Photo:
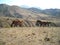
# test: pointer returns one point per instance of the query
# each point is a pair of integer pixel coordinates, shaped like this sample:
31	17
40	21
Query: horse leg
48	25
15	25
40	25
20	25
43	25
11	25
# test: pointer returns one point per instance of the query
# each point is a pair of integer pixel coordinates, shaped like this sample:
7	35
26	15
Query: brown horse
40	23
16	23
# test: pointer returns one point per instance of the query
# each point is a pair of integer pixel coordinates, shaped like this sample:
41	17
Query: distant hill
28	13
9	11
53	12
36	10
19	12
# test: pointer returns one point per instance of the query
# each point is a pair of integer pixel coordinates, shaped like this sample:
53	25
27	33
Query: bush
4	23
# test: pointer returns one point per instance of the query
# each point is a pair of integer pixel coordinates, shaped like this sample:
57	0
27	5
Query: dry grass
30	36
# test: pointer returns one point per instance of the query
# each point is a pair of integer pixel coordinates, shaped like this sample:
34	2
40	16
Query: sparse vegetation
5	22
2	43
30	36
29	33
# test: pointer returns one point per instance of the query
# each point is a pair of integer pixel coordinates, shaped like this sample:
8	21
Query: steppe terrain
29	33
30	36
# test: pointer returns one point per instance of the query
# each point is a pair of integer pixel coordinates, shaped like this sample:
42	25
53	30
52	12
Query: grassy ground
5	22
30	36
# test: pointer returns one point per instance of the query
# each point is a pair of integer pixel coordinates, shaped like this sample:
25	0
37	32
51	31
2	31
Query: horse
41	23
16	23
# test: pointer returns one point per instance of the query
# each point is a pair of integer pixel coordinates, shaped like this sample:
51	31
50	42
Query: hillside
9	13
18	12
53	12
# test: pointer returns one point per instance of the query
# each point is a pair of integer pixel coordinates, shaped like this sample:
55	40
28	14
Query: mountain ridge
24	13
46	11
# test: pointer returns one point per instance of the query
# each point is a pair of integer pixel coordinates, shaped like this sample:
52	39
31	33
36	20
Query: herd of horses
19	23
42	23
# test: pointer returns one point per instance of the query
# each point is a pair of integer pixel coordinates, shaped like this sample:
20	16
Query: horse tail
12	24
54	24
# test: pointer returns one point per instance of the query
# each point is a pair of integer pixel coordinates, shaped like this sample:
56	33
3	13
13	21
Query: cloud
35	3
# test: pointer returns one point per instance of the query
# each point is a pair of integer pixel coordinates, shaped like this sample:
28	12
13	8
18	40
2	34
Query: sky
43	4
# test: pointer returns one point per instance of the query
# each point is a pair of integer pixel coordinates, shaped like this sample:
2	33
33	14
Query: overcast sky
44	4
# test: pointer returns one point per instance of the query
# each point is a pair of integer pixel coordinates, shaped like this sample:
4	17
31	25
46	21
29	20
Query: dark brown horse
41	23
16	23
